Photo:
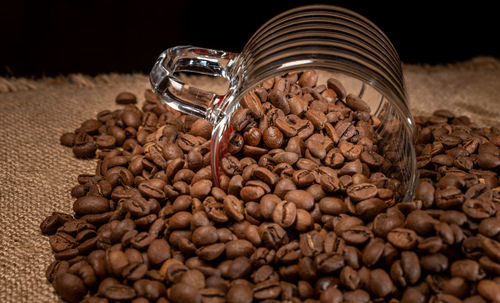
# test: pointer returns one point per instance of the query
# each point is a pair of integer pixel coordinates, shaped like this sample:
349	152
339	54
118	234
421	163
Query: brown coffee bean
204	235
234	208
104	141
411	266
450	197
266	290
239	294
126	98
237	248
301	198
356	103
201	128
357	234
251	193
200	189
361	191
252	102
152	188
317	118
158	251
67	139
210	252
90	205
285	213
265	175
308	78
70	287
478	209
214	210
467	269
231	166
184	293
273	235
337	87
273	137
84	146
491	248
421	222
278	99
489	290
402	238
380	283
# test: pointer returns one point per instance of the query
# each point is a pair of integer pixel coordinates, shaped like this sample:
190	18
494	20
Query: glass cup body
336	42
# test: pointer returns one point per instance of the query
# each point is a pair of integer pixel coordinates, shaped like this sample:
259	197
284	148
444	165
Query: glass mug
332	40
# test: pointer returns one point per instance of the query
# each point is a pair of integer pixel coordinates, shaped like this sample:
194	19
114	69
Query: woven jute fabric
37	173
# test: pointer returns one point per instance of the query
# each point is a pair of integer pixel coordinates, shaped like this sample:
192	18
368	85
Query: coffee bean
266	290
84	146
478	209
337	87
201	189
285	213
467	269
402	238
126	98
158	251
184	293
308	78
301	198
380	283
67	139
356	103
70	287
361	192
239	294
237	248
272	137
489	290
309	205
201	128
252	102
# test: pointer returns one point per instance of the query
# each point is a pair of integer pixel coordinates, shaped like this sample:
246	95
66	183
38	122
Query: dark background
58	37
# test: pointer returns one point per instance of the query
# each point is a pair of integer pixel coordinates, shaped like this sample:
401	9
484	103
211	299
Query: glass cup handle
184	97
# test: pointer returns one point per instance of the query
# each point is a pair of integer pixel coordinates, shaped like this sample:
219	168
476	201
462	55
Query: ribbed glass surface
347	46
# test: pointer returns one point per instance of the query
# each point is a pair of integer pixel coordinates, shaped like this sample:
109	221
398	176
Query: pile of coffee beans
306	211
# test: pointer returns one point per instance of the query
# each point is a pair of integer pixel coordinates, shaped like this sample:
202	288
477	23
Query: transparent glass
333	40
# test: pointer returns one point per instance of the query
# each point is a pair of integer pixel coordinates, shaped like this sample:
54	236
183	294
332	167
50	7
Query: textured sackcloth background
37	173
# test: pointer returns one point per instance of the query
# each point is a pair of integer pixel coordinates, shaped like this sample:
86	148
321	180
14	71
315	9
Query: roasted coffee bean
70	287
489	290
184	293
380	283
201	128
478	209
84	146
337	87
356	104
309	206
308	78
67	139
237	248
467	269
361	192
126	98
285	213
266	290
272	137
402	238
301	198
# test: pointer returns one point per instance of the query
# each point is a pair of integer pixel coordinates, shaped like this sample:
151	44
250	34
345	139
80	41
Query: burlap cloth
37	173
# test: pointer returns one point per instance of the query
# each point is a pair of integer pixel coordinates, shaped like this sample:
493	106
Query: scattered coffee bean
309	208
126	98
